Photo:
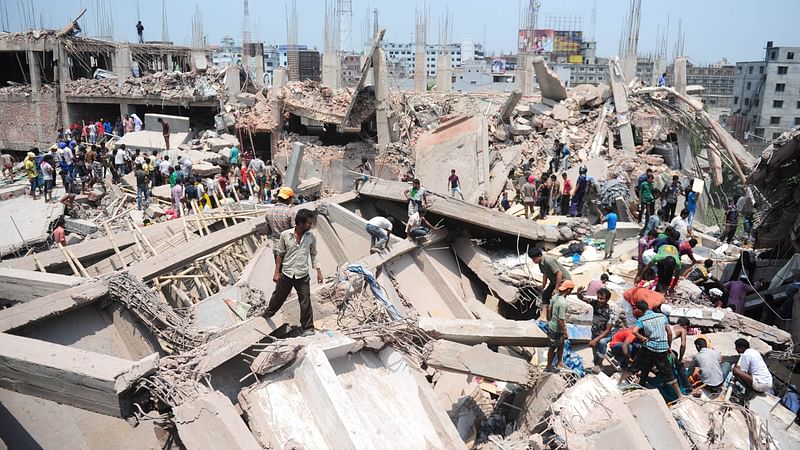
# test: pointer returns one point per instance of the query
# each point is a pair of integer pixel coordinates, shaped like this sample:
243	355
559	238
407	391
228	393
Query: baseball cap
285	193
566	284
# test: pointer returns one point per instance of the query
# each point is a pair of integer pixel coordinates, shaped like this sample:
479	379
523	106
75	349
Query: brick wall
19	127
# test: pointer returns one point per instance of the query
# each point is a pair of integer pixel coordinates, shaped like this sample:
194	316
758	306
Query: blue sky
714	29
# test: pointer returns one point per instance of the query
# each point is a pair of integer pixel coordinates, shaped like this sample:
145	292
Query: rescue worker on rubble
581	185
557	327
553	274
653	329
417	197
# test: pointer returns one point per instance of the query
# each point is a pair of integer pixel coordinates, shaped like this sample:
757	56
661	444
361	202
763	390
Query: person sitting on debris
603	319
178	194
418	226
737	291
566	189
59	235
279	217
296	246
751	370
553	274
581	186
557	327
454	184
625	347
417	197
653	329
365	173
528	193
379	229
713	371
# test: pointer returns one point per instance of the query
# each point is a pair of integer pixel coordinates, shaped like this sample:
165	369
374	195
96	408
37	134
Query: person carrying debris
417	197
454	184
139	31
295	247
553	274
418	226
751	370
528	193
379	229
653	329
165	131
566	190
279	218
557	327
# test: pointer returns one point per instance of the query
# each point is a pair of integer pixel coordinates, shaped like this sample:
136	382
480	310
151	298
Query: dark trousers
565	204
730	232
671	210
544	206
282	290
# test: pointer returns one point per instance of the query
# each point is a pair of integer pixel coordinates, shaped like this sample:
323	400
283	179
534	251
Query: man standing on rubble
581	185
454	184
165	131
139	31
279	217
553	273
566	189
417	197
295	247
673	190
142	182
731	220
528	193
653	329
611	233
557	327
647	205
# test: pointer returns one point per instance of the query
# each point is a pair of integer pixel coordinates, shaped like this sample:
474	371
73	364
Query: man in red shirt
623	347
566	188
101	131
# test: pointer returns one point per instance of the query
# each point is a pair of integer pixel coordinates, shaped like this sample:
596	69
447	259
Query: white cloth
381	222
751	362
137	122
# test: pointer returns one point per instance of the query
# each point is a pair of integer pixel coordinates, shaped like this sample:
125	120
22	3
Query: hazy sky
714	29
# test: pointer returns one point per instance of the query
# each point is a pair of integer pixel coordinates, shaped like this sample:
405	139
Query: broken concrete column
510	104
524	76
621	105
551	87
211	421
331	70
492	332
381	74
477	360
684	140
292	178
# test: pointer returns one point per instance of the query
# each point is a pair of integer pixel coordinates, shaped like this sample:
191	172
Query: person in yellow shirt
31	172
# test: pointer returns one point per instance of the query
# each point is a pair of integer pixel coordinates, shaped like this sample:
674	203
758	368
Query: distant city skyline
714	29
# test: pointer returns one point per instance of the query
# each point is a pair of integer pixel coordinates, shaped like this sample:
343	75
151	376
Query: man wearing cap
553	274
557	326
295	247
279	217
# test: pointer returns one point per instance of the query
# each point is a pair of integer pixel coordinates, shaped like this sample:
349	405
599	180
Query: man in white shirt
681	224
379	229
164	167
186	167
751	370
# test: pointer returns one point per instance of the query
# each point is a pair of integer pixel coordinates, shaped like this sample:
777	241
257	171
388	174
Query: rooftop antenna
593	21
164	26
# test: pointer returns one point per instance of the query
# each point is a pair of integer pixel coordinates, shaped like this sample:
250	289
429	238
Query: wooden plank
25	285
71	376
492	332
477	360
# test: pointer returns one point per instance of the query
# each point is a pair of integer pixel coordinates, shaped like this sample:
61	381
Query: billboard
566	43
537	42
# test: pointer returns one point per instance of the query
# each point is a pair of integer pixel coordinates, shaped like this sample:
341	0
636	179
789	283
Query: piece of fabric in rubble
377	290
573	248
572	361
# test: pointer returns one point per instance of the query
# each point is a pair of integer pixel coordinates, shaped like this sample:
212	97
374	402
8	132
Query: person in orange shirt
653	299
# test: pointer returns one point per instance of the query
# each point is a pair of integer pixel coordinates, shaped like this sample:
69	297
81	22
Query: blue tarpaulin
377	290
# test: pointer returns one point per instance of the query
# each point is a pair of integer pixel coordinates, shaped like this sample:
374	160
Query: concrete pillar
420	68
684	139
232	85
279	77
381	98
509	105
259	75
524	75
331	70
170	63
443	72
292	178
61	76
34	73
123	63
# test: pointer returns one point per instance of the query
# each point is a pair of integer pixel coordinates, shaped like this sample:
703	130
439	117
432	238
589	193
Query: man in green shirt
553	273
646	196
557	327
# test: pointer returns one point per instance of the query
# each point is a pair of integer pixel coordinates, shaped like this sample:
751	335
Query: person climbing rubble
379	229
653	329
553	274
365	173
418	227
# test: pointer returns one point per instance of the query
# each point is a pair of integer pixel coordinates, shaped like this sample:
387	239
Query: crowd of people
645	346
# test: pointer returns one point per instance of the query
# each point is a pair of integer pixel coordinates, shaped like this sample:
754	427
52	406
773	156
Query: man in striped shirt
279	218
654	330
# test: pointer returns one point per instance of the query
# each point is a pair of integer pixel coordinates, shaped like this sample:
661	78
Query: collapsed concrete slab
68	375
491	332
24	285
211	421
551	87
26	223
370	399
477	360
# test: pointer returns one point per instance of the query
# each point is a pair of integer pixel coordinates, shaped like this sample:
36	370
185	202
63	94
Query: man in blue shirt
611	232
662	80
581	184
654	330
691	205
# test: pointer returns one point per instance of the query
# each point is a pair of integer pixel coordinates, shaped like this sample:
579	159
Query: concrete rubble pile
150	328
